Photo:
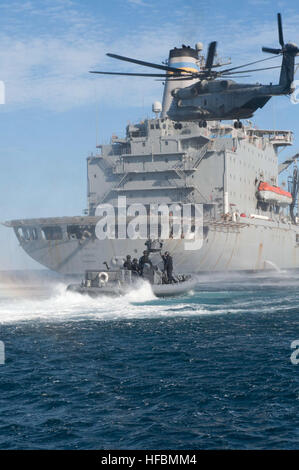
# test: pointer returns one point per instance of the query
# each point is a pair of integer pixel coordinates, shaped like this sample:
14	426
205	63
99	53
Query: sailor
135	267
144	260
128	263
168	266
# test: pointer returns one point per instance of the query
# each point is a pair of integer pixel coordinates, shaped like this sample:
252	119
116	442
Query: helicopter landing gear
202	123
238	125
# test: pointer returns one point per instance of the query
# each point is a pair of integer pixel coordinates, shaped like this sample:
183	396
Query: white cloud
138	3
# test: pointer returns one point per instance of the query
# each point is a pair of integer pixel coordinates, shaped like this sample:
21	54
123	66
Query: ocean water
207	370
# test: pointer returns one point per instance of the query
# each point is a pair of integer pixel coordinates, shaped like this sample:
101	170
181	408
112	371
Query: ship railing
183	162
275	137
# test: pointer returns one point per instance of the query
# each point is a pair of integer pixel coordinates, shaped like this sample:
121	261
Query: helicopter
201	93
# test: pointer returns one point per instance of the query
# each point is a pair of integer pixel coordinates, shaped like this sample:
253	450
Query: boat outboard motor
295	188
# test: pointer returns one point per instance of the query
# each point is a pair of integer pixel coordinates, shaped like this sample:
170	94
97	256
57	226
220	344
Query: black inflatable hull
159	290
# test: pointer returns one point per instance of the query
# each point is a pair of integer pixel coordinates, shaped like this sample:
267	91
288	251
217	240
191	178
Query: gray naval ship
249	223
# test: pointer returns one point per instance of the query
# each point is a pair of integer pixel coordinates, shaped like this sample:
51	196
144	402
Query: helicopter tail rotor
289	51
280	38
288	48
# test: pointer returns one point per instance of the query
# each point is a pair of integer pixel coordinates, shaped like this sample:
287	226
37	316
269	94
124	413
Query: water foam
61	305
49	301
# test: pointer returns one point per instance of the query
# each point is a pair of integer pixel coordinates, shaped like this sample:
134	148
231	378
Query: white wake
58	304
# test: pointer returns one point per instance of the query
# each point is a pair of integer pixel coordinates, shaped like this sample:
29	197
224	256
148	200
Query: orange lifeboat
274	194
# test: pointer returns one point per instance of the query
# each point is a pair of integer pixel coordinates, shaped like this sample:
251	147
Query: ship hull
250	244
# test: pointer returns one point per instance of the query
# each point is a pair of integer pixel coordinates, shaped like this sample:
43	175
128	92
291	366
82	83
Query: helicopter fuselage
221	99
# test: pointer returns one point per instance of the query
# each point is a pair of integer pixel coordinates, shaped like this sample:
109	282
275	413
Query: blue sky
48	124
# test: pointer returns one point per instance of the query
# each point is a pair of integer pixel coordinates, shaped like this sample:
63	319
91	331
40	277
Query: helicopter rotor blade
271	51
237	76
171	79
204	78
211	55
280	32
252	70
146	64
246	65
134	74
